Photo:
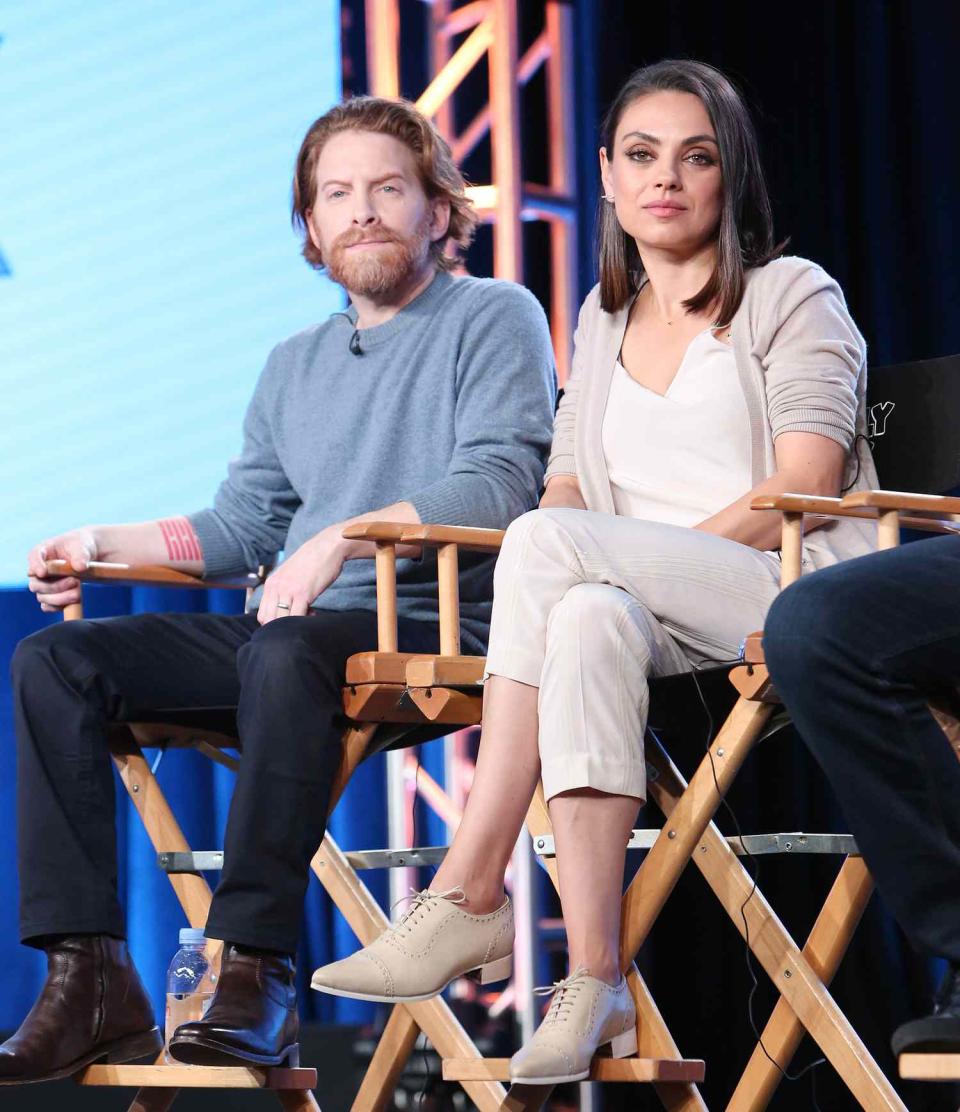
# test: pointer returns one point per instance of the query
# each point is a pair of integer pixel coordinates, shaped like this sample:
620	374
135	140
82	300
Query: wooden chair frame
158	1084
386	687
445	688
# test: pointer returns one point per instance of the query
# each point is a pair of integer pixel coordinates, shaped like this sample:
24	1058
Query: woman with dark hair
707	371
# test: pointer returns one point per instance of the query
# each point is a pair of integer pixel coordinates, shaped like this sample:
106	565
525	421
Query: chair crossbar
191	861
749	845
199	1077
930	1067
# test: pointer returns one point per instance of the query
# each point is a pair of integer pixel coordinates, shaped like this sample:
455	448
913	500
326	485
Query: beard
377	272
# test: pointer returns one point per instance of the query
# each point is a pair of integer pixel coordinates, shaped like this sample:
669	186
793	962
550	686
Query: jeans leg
70	682
291	724
855	651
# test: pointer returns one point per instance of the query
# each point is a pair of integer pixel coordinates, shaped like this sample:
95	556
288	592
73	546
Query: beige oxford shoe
432	943
585	1014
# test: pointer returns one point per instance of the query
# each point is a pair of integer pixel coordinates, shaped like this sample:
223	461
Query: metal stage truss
459	39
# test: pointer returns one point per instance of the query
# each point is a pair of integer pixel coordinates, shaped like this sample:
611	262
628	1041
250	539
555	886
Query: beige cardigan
802	367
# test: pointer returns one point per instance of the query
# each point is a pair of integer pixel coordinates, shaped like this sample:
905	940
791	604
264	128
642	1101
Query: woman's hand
308	573
563	490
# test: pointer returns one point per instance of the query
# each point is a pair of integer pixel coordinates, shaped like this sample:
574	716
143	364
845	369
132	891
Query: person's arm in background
246	526
504	406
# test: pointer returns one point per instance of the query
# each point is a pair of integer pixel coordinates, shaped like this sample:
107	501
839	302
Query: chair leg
153	1100
386	1065
690	816
367	920
356	743
191	890
162	829
824	949
653	1036
771	944
297	1100
526	1098
655	1041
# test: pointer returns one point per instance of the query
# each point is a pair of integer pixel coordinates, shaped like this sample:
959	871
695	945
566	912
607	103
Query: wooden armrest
449	539
842	507
374	531
947	508
798	504
155	575
470	540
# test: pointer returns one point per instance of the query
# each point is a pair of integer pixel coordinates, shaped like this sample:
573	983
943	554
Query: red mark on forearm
180	539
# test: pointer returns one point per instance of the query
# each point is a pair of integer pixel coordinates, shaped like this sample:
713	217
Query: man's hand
308	573
563	490
53	592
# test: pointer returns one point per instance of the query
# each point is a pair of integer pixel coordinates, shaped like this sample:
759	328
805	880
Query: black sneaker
938	1032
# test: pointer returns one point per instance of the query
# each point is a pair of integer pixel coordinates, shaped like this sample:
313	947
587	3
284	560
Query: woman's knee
589	612
535	539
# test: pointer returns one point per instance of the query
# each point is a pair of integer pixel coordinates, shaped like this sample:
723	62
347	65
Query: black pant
281	685
854	651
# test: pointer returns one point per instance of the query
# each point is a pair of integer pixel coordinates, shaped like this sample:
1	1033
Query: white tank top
682	456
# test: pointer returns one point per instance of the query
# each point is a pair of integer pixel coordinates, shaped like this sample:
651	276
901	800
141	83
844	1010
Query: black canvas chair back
913	425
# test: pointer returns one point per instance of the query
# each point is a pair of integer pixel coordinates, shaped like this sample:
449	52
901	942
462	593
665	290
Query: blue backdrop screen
148	263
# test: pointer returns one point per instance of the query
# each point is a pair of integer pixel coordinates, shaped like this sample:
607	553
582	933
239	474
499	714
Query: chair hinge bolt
135	788
787	973
721	751
671	833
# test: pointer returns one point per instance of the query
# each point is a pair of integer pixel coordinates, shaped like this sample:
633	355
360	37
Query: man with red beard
428	399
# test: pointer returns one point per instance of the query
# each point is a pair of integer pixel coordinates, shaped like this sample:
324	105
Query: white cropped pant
587	606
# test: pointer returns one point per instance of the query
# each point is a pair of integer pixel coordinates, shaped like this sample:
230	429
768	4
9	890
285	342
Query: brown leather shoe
252	1018
93	1007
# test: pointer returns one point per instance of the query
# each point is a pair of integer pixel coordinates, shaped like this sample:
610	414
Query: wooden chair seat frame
387	690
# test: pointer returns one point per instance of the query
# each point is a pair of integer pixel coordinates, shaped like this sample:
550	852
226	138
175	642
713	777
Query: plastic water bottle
191	980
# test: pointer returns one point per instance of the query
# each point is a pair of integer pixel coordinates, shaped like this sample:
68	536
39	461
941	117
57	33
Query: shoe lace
564	994
419	900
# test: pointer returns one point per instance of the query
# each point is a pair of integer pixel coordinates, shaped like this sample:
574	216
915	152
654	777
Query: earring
608	197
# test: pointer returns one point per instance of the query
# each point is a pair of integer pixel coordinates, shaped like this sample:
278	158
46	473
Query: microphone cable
753	871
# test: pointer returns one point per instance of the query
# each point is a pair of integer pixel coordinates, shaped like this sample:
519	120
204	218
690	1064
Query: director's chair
158	1084
446	689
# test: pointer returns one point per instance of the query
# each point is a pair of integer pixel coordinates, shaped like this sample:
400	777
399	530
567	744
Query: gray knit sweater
449	407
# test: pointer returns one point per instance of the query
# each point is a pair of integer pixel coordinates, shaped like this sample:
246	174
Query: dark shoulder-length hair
745	233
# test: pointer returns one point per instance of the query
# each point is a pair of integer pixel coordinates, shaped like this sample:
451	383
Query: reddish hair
439	174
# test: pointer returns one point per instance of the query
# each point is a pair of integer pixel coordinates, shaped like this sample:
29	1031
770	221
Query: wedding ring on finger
283	605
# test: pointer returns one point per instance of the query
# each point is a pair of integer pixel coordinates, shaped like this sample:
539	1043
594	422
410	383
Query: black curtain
856	109
856	106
